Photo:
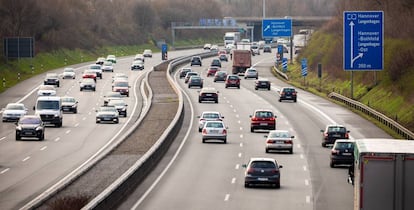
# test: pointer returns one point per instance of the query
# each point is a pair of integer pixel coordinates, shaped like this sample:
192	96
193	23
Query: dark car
208	94
262	119
188	75
69	104
220	76
223	57
211	71
262	171
120	105
196	61
232	81
184	71
262	83
52	79
342	152
267	49
216	62
195	81
30	126
332	133
288	93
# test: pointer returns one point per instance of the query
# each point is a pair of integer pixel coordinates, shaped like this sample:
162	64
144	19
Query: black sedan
262	171
30	126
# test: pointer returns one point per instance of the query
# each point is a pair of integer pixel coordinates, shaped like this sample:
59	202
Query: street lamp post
264	9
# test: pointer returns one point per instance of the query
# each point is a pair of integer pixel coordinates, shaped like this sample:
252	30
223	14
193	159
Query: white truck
383	174
49	108
231	38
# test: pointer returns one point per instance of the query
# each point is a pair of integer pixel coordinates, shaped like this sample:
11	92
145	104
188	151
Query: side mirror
280	166
34	108
244	165
250	115
16	123
292	137
348	131
265	136
322	131
198	116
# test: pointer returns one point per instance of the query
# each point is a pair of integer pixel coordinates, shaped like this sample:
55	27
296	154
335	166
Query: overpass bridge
251	25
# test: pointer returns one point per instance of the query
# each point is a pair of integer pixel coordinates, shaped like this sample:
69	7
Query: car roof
215	112
333	125
263	79
344	141
263	110
262	159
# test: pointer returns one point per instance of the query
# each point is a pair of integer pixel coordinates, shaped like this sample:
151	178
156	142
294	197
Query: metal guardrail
395	126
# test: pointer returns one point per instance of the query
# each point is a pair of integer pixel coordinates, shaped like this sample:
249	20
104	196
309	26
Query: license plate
263	123
208	94
262	179
288	96
214	131
28	133
346	153
280	142
107	118
336	135
65	109
263	83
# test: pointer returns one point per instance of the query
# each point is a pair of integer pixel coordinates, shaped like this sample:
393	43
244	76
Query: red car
212	70
89	74
233	81
262	119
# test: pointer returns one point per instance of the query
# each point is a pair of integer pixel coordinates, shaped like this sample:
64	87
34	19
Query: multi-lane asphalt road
29	167
210	176
203	176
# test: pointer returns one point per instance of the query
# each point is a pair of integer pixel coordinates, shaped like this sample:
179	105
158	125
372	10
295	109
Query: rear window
262	164
337	129
344	145
214	125
210	115
264	114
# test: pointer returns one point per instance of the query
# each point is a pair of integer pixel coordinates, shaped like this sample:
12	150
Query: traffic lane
318	112
69	151
227	180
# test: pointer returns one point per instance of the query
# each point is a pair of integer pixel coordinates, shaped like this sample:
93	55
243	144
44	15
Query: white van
49	108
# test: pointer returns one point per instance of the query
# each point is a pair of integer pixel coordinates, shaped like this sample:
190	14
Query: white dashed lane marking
4	171
26	158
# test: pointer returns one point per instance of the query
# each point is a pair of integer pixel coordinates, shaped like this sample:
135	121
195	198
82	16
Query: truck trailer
383	174
242	60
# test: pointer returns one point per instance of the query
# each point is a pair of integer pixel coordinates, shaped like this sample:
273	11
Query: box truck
383	174
231	38
242	59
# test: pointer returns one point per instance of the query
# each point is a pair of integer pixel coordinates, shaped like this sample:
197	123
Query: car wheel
200	129
267	150
59	124
332	164
226	86
225	141
204	141
125	115
252	130
42	137
18	137
277	186
238	87
127	95
57	85
94	89
268	88
291	151
199	101
75	111
189	86
323	144
216	101
280	100
80	89
294	100
97	122
246	185
256	88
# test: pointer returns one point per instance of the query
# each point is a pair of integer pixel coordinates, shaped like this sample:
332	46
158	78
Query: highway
210	176
30	167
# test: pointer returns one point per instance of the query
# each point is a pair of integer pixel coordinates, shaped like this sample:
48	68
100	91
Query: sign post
164	50
363	41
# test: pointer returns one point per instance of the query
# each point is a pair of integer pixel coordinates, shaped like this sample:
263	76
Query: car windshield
337	129
54	105
195	79
116	103
121	84
30	120
68	70
344	145
47	87
107	109
233	78
95	67
262	164
211	115
51	75
68	100
264	114
14	107
215	125
279	134
88	81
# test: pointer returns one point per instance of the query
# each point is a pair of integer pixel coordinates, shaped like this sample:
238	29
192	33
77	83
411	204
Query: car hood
106	113
29	126
68	103
14	112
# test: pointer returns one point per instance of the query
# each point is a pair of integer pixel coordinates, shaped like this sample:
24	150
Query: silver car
214	130
68	73
279	140
14	111
251	73
108	66
208	116
87	83
108	114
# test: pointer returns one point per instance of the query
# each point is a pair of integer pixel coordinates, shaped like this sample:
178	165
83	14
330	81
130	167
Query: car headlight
56	115
39	128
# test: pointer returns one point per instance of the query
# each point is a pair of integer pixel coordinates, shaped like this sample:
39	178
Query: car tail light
270	141
274	171
251	170
334	152
346	135
288	142
294	93
224	132
204	131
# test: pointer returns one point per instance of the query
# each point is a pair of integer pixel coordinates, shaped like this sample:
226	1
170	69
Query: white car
208	116
207	46
251	73
147	53
68	73
214	130
13	111
87	84
137	64
279	140
139	57
46	90
108	66
111	58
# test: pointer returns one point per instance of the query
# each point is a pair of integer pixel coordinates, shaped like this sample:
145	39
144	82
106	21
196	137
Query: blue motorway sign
363	40
304	63
276	28
285	64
